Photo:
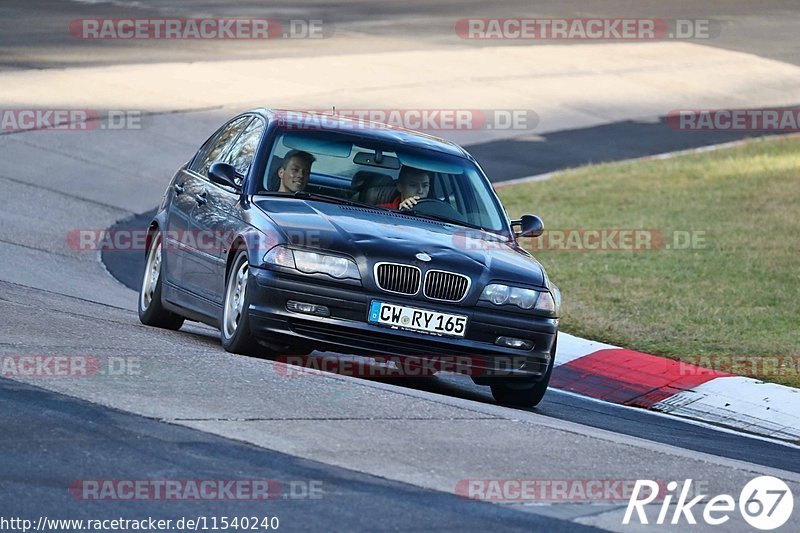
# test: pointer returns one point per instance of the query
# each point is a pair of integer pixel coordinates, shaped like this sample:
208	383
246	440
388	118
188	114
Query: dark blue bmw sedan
293	232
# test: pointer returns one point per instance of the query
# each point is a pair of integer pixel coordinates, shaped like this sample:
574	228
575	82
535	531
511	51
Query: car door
190	247
177	224
217	217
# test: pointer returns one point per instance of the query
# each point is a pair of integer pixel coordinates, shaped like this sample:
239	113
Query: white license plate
416	319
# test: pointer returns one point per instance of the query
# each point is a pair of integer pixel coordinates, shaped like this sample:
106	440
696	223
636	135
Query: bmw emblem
422	256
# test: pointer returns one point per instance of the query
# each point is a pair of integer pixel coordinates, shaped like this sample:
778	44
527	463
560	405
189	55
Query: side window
215	147
243	151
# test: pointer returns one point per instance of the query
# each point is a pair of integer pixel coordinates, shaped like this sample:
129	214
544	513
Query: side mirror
225	174
530	226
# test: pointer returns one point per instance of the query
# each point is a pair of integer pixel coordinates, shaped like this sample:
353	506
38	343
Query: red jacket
392	205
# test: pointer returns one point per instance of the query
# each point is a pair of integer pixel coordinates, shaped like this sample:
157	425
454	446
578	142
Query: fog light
511	342
307	308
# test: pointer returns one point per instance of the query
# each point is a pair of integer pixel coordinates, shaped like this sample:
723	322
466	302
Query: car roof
364	129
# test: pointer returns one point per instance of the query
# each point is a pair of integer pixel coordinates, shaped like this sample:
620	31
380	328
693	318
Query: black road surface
52	442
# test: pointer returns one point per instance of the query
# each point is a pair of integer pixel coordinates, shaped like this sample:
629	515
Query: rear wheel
520	392
236	335
151	310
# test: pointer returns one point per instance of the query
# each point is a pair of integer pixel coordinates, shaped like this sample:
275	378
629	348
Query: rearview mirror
530	226
376	159
225	174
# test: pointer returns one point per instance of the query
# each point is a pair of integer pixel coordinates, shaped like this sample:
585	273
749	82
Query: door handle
201	198
178	189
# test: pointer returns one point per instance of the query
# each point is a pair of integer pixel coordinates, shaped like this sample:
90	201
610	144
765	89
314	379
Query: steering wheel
434	206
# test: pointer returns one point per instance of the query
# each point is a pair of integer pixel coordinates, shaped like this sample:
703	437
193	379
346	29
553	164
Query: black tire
235	322
520	392
151	309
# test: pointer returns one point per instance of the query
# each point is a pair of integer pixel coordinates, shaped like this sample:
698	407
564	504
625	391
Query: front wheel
236	335
520	392
151	310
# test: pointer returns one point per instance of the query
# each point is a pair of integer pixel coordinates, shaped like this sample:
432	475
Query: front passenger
295	171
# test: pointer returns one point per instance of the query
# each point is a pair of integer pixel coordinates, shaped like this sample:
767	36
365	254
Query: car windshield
383	175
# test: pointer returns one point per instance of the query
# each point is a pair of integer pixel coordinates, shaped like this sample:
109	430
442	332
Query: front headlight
500	294
313	262
496	293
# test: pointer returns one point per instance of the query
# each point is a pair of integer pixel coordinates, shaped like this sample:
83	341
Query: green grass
737	293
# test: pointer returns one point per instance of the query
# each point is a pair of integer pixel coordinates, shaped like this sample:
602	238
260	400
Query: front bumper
346	330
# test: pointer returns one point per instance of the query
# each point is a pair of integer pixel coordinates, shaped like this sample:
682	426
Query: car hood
375	235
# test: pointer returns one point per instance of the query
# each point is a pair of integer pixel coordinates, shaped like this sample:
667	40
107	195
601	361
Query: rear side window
215	147
244	149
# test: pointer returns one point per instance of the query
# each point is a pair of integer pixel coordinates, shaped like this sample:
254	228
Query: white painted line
743	403
682	419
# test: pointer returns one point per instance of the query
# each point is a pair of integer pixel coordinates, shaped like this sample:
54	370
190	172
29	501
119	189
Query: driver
413	184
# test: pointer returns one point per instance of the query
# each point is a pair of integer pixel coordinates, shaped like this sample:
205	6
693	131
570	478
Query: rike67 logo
765	503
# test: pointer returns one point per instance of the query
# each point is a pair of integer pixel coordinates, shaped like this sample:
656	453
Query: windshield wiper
442	218
333	199
320	197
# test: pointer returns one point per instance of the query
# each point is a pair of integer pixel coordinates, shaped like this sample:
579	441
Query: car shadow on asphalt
447	383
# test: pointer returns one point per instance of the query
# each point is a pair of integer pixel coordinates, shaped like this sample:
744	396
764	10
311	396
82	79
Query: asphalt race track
123	445
347	453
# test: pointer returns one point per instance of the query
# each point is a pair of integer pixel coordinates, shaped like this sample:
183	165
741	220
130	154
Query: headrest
273	181
373	187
